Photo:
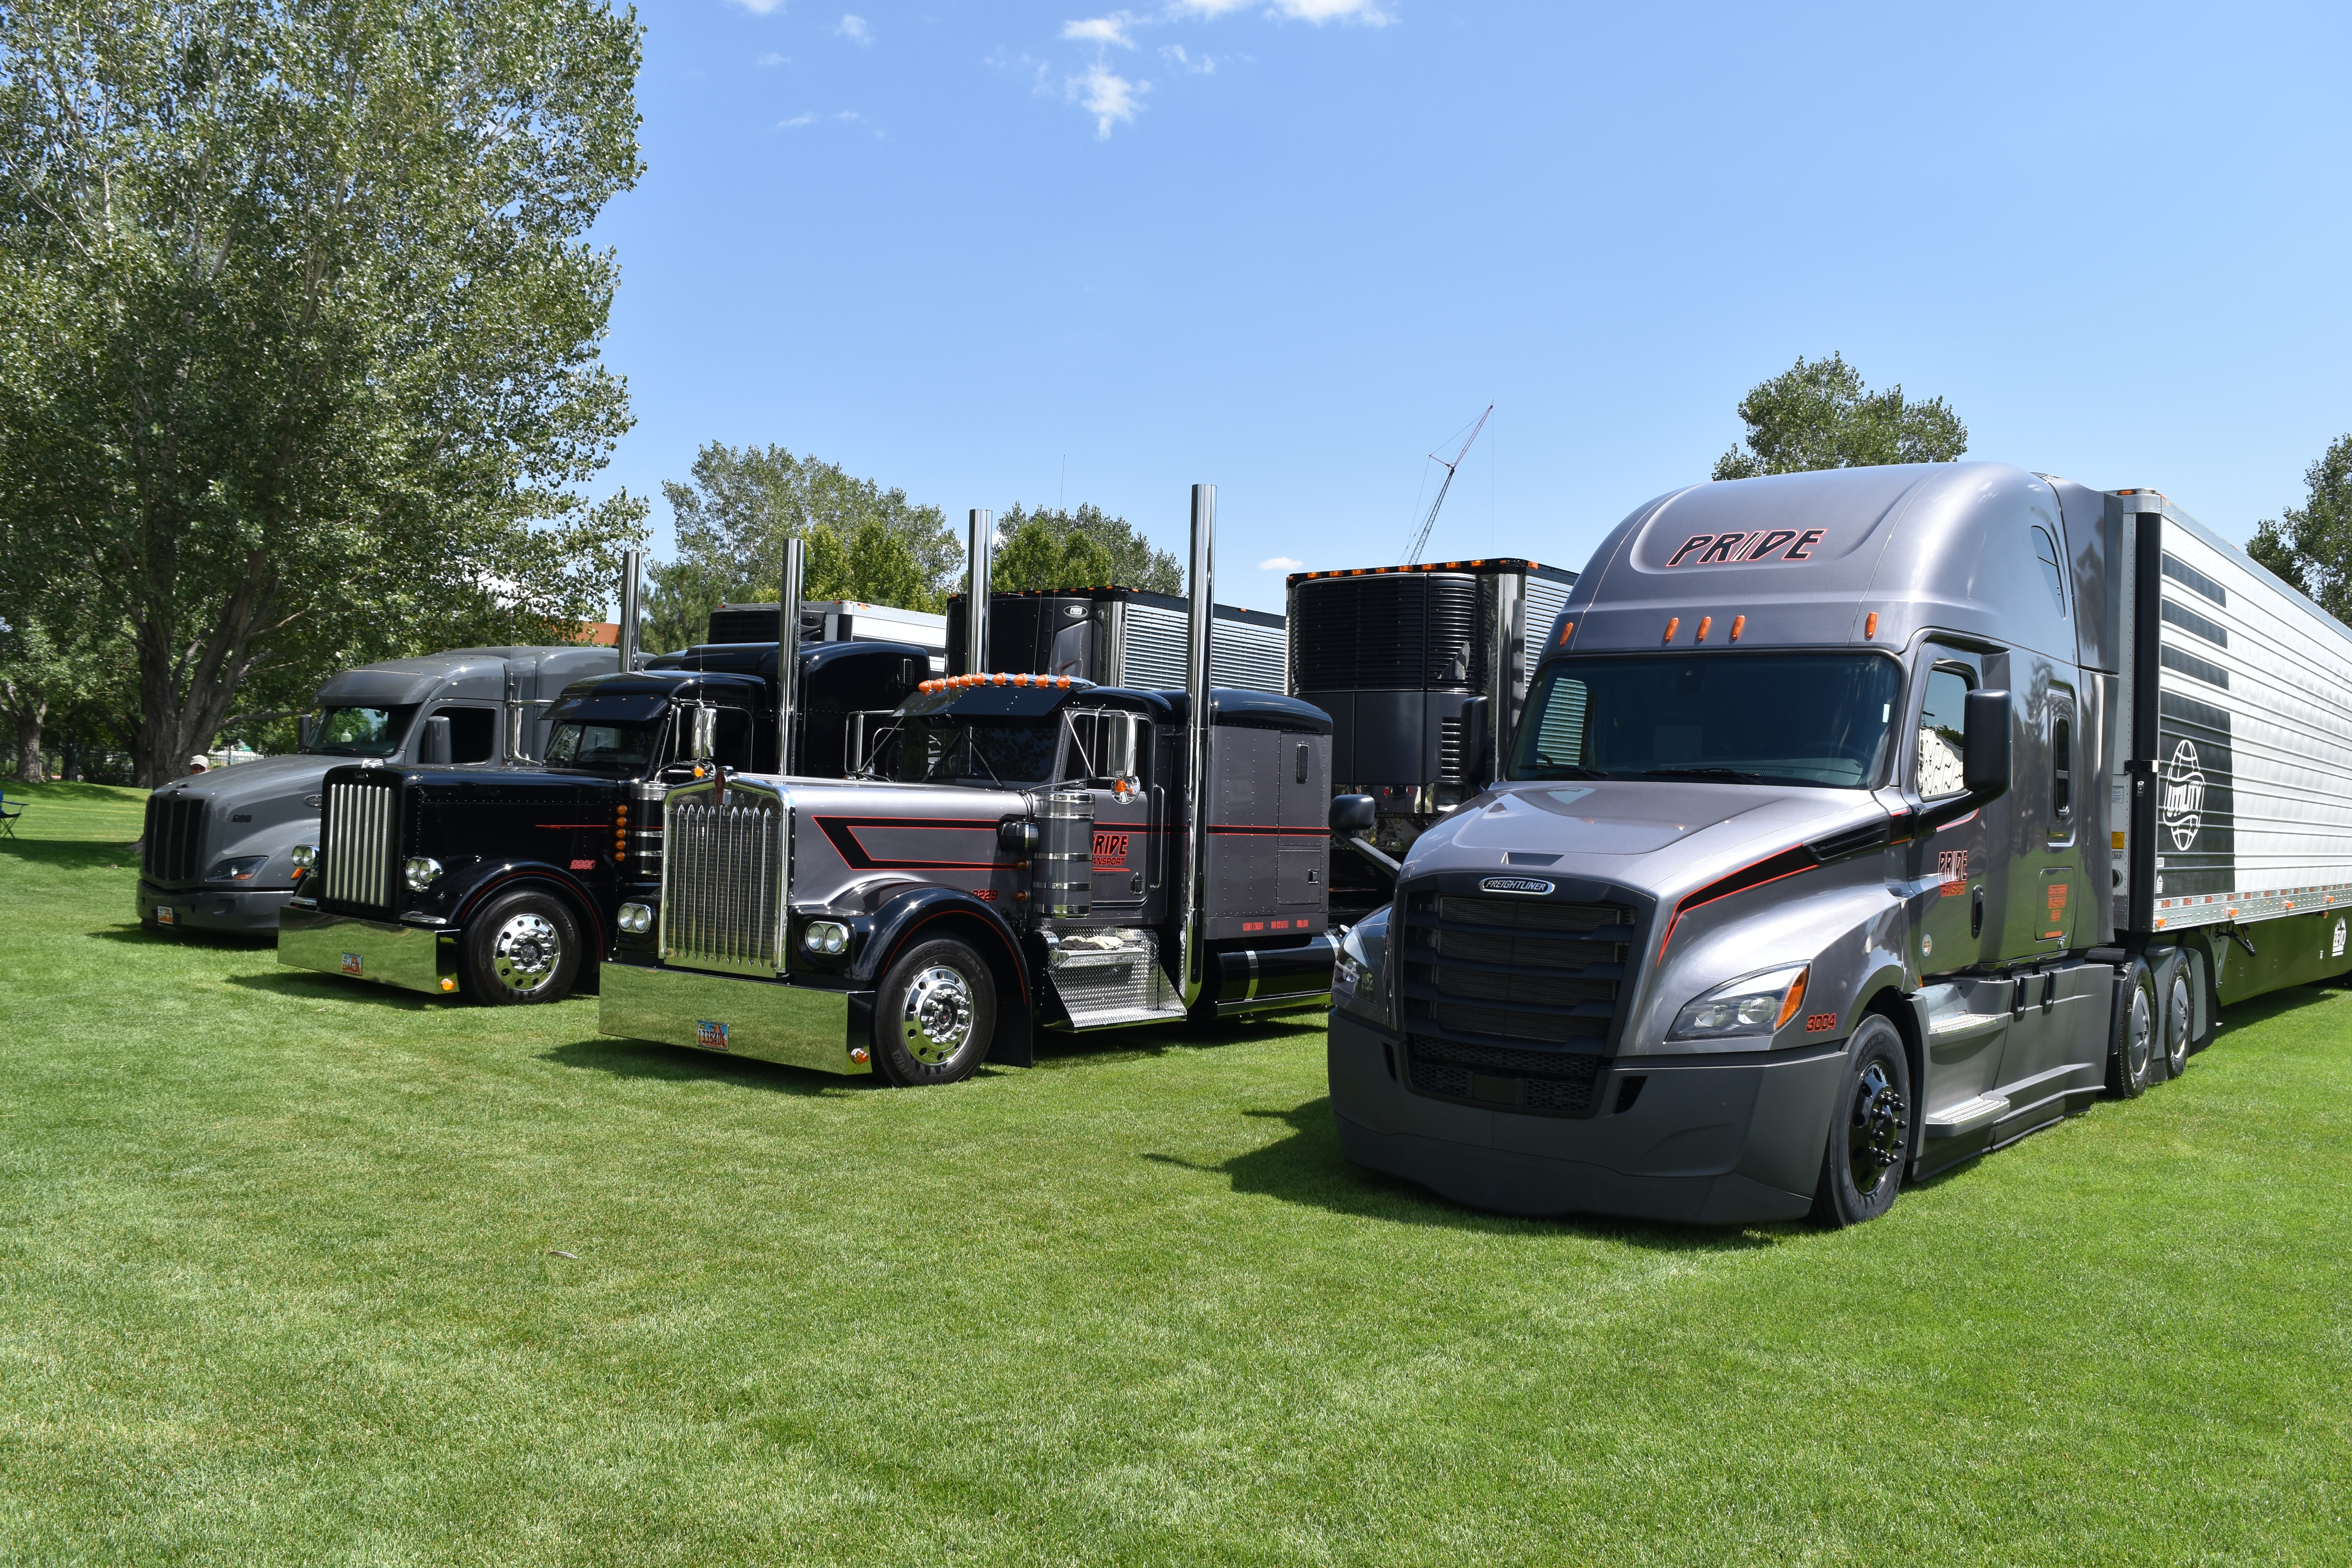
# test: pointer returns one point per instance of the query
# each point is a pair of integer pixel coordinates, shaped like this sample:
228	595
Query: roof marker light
1738	624
1706	624
1567	630
1674	624
1870	624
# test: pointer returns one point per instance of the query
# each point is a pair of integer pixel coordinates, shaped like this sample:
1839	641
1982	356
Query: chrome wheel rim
2176	1027
525	951
937	1019
2140	1047
1873	1143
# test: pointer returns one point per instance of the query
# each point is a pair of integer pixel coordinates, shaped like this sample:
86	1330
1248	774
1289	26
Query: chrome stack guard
403	956
767	1020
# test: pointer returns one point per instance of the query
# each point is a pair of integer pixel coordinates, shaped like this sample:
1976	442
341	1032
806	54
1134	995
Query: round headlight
305	854
636	919
422	869
827	937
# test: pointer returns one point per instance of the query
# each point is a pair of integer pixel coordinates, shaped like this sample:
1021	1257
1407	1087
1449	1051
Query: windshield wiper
1570	770
1722	775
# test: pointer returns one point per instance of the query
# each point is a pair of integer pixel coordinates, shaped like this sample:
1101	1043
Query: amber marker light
1674	624
1795	999
1567	630
1738	624
1705	625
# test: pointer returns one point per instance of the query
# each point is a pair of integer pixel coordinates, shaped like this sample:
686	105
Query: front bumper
241	909
767	1020
1705	1141
410	957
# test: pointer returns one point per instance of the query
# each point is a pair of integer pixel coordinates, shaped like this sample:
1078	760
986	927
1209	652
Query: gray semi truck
1858	823
1013	850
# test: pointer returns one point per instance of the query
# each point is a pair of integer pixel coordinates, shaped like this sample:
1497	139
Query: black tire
524	948
2131	1033
934	1016
1870	1129
2179	1009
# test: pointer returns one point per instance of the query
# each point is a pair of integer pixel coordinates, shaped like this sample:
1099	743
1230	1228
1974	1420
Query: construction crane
1421	539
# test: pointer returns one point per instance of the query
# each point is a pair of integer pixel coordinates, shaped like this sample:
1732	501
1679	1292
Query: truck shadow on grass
678	1064
72	854
308	985
1307	1168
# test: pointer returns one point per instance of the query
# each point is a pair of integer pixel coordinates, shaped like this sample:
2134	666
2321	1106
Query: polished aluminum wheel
2175	1025
525	951
938	1020
2140	1043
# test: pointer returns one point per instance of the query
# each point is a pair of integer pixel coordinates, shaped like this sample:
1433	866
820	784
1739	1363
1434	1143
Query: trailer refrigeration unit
1118	636
1859	823
510	882
1025	850
1420	668
836	620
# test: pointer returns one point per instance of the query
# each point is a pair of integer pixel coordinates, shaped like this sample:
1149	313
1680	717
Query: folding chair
8	815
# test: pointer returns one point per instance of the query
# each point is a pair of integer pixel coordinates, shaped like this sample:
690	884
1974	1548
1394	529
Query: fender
904	917
482	882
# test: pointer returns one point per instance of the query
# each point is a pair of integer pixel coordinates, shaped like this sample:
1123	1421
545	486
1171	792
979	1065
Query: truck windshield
606	748
936	747
361	732
1734	718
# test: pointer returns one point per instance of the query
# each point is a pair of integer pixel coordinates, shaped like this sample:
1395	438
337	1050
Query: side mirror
1353	815
1986	760
1478	715
702	740
309	725
434	749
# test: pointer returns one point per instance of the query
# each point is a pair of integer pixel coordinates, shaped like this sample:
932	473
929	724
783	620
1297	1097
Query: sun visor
619	707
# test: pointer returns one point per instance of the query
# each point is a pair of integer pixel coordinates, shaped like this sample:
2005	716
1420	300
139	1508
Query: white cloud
796	119
772	60
1110	29
1111	98
1316	11
854	29
1199	65
761	7
1280	563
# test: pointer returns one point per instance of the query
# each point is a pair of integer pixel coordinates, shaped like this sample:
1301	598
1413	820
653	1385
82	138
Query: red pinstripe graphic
1724	887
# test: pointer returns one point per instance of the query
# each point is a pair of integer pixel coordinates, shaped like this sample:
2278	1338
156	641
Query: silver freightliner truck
1858	823
1020	849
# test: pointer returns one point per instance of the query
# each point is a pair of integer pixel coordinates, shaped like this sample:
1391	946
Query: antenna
1421	539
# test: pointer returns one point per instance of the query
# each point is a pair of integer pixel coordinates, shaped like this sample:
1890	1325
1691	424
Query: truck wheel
2131	1044
2176	1009
934	1014
524	948
1870	1134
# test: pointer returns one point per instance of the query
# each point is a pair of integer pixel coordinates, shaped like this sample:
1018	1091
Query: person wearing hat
197	764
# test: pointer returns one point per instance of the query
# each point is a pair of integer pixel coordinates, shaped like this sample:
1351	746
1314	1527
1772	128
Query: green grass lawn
282	1280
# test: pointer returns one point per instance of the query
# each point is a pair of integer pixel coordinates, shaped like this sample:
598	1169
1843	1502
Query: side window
473	734
733	740
1942	717
2052	578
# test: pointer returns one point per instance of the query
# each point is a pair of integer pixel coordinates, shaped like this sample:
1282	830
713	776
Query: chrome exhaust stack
624	641
1190	975
788	650
980	555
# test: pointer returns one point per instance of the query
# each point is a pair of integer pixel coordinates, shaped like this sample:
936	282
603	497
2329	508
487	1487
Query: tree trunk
29	765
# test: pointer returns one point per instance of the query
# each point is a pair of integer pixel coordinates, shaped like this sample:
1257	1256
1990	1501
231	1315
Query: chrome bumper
763	1019
405	956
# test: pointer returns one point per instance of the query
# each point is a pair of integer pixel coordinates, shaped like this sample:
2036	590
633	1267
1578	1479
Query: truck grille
1510	1001
359	840
723	878
175	838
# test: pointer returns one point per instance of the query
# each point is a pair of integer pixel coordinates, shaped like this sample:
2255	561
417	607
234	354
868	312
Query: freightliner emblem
1515	885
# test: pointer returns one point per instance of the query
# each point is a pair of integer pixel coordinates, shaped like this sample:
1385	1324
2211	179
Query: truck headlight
421	870
636	919
827	937
241	870
1757	1004
305	855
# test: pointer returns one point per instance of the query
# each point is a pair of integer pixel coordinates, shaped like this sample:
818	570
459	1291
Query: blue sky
1012	252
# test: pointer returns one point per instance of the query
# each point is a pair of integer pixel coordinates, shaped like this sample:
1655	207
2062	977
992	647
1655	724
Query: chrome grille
724	877
174	848
1509	1002
359	839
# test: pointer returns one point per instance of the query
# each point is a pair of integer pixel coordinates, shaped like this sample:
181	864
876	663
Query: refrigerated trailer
1019	850
1116	637
1859	823
1421	667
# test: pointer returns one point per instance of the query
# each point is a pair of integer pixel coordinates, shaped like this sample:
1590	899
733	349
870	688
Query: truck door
1957	927
1105	750
2062	1015
1303	810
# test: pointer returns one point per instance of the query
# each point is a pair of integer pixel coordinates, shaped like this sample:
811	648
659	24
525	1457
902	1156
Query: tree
864	542
299	336
1049	548
2314	549
1816	414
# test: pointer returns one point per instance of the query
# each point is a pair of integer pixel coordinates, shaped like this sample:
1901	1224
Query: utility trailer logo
2339	941
1745	547
1515	885
2181	809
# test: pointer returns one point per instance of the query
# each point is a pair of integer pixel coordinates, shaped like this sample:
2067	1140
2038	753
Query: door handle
1976	911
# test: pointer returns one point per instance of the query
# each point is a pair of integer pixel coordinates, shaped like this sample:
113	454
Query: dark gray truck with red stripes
1857	823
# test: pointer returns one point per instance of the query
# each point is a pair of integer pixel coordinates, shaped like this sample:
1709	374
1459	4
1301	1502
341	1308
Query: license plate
354	964
710	1036
165	915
